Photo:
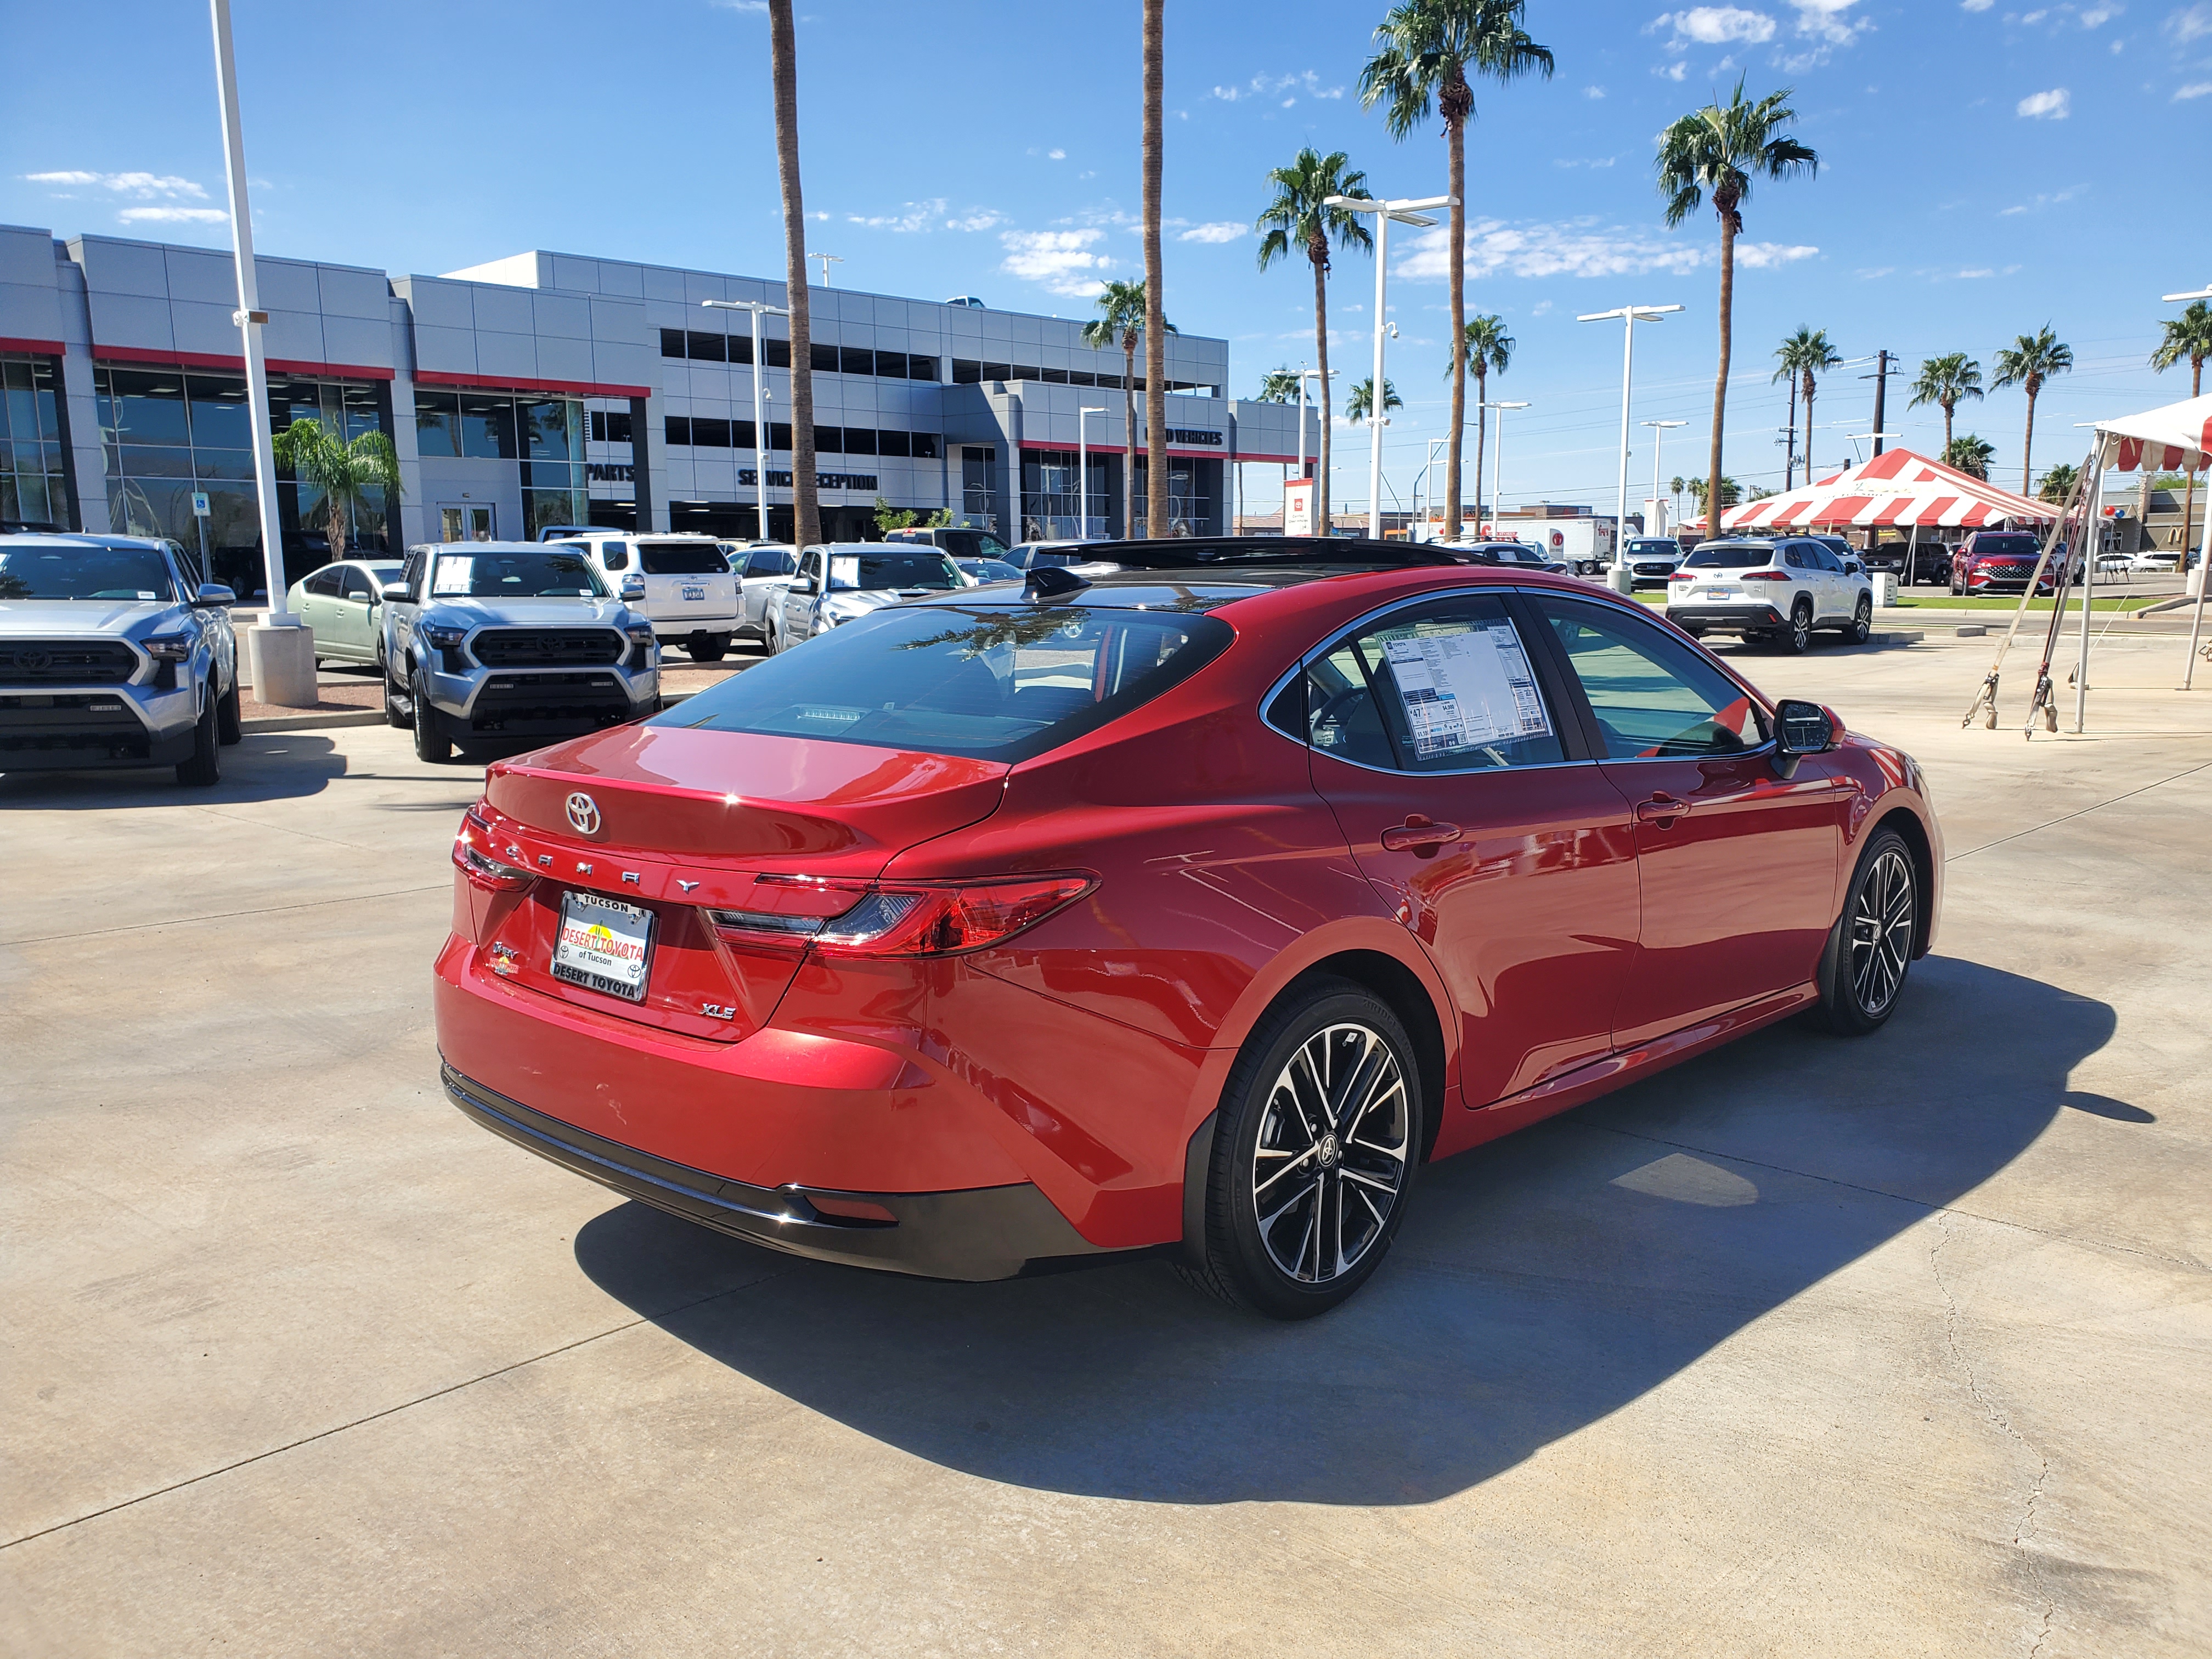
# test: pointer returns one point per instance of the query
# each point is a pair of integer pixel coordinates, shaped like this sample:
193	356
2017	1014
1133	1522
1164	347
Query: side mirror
398	593
633	588
1801	728
1853	568
213	596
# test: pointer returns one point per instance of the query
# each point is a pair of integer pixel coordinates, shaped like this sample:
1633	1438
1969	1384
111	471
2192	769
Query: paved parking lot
1899	1346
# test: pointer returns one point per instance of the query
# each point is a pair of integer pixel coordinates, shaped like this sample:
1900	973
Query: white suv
683	584
1777	591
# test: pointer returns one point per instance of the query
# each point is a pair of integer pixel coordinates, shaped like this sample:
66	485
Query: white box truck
1586	544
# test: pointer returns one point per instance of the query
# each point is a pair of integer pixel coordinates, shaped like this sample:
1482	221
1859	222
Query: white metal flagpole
2093	532
1375	396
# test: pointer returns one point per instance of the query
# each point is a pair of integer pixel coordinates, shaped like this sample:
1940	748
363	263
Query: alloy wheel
1881	932
1332	1157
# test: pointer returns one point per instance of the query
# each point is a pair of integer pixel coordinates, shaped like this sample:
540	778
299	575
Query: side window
356	584
809	567
325	581
1655	697
1828	561
615	556
1793	558
1444	687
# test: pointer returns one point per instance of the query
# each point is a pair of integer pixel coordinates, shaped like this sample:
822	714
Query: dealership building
551	388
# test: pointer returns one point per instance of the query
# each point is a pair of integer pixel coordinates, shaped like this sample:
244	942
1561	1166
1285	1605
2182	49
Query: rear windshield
2023	545
552	574
884	570
682	559
133	573
987	682
1729	556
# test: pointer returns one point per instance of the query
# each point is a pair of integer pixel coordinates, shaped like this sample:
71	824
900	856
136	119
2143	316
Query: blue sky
1986	167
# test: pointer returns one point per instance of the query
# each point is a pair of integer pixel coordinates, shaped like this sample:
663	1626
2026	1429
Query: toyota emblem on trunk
584	814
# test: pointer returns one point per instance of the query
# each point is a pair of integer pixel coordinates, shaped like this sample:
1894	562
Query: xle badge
716	1011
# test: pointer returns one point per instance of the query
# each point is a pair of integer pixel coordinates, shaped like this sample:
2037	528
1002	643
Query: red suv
1184	908
1999	562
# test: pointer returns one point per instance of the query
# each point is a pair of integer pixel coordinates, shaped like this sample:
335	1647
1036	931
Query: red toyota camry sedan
1184	905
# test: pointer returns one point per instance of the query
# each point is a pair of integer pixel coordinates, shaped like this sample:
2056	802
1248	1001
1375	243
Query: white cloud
2194	89
2052	105
1823	21
2191	24
2095	17
1875	273
1058	259
743	5
2066	195
1969	276
918	216
173	215
983	219
1579	247
1593	91
1765	256
1307	82
143	185
1602	161
1976	5
1714	25
1056	155
1671	72
1218	230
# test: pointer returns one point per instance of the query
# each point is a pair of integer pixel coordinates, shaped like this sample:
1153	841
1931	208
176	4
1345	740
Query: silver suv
113	653
491	643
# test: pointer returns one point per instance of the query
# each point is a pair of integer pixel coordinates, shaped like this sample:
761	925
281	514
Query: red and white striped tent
2163	440
1897	489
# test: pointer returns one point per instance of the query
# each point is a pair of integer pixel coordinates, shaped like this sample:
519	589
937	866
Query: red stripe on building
46	348
107	354
512	383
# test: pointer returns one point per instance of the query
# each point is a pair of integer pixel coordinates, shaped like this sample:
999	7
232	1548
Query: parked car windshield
983	682
84	573
1647	547
2008	546
881	570
990	570
1729	556
516	575
682	559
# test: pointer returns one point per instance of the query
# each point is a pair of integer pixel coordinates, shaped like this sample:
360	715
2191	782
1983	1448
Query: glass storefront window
31	488
544	508
549	430
220	417
486	427
438	424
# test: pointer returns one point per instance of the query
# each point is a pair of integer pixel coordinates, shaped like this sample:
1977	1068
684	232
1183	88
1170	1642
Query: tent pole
2204	590
2093	533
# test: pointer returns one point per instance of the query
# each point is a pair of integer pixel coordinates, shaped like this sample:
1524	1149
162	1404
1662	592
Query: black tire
1861	628
710	648
1869	949
1334	1047
1795	636
1958	587
204	768
431	743
230	725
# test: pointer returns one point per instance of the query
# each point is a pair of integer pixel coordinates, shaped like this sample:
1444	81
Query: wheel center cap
1326	1150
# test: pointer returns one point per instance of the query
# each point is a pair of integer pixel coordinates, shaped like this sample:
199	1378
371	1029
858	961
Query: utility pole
1789	439
1880	379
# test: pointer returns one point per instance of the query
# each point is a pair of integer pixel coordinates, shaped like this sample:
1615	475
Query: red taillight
1681	576
475	858
1764	576
899	919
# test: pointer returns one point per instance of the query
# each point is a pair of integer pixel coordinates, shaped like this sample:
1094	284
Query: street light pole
1630	316
760	412
828	260
1083	415
2204	553
1405	212
1658	443
1498	460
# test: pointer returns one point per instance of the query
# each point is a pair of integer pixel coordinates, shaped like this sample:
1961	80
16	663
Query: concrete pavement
1895	1346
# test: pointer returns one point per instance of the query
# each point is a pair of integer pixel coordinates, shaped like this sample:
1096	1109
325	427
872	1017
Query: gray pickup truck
113	653
511	644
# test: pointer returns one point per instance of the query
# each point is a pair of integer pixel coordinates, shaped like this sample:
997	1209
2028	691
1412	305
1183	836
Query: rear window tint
1725	556
983	681
682	559
2011	546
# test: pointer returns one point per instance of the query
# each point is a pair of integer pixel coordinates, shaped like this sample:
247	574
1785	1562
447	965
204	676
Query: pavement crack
389	1411
222	915
2068	818
1998	1418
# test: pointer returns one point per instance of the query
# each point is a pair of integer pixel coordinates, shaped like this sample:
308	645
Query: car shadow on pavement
264	766
1539	1284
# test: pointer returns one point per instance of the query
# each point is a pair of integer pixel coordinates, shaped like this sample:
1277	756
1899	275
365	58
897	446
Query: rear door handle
1661	809
1419	835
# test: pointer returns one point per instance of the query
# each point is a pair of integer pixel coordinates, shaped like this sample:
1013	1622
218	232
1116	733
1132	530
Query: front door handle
1661	809
1419	835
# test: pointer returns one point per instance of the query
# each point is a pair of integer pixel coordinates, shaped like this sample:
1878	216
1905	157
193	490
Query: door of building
467	521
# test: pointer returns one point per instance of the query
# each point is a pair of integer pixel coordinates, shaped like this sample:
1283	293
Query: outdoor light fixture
1497	458
1409	211
2175	299
1658	444
759	308
1630	316
828	260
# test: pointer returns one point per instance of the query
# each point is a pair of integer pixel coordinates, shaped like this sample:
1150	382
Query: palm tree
1155	323
1731	492
1718	151
2058	482
1359	405
783	73
1489	349
2187	336
1426	49
1298	218
343	472
1120	321
1806	355
2027	363
1674	491
1947	382
1970	454
1278	386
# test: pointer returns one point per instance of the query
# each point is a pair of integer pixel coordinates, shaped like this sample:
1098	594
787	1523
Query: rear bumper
1724	619
680	628
980	1234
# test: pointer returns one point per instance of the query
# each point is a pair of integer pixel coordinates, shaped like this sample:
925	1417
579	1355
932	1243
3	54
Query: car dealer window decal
1464	685
453	575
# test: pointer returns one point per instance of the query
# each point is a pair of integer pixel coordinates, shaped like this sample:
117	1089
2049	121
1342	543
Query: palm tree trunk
2028	447
1720	380
1320	349
1947	408
338	527
1481	436
1790	449
1129	434
1156	389
783	63
1456	142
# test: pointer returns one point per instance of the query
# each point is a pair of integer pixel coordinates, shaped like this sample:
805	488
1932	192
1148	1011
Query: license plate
604	945
696	595
1717	593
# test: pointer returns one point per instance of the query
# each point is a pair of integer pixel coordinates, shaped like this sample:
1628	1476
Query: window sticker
453	574
845	570
1466	689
